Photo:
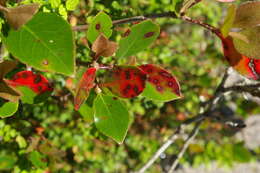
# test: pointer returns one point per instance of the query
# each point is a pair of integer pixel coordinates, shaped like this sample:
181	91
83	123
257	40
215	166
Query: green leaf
139	37
55	3
247	15
37	159
7	162
21	141
229	19
102	23
87	113
28	95
111	117
241	154
252	48
7	109
71	4
45	43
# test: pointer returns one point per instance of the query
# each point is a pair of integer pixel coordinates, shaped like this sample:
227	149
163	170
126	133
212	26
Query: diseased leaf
6	67
45	43
139	37
251	48
229	19
111	117
125	81
247	15
8	93
18	16
103	47
7	109
38	83
161	85
102	23
84	86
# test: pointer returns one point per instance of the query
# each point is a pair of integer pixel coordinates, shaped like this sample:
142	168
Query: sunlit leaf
139	37
102	23
18	16
45	43
247	15
7	109
125	81
71	4
161	85
84	86
229	19
252	47
111	117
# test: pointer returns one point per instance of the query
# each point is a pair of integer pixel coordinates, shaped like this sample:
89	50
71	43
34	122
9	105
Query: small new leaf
18	16
103	47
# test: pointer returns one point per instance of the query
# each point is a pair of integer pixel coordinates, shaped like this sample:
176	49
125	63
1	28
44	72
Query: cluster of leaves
46	48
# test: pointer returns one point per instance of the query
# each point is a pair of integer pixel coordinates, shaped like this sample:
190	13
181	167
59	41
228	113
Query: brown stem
4	9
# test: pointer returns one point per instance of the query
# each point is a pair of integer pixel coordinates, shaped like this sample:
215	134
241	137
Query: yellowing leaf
229	19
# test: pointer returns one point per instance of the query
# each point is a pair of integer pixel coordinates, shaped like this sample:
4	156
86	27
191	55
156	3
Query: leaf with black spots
84	86
36	82
18	16
102	23
161	85
137	38
125	81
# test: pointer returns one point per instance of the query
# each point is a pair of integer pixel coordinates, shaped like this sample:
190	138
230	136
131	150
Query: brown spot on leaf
45	62
159	88
128	31
98	26
148	34
24	75
114	98
37	79
127	75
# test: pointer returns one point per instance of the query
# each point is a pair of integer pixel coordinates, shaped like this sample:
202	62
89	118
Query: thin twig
169	141
133	19
189	139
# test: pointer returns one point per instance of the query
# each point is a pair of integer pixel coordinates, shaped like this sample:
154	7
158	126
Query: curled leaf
84	86
18	16
125	81
103	47
6	67
7	92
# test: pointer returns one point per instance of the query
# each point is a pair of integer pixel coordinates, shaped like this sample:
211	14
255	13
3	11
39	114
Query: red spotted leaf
84	86
161	85
125	81
38	83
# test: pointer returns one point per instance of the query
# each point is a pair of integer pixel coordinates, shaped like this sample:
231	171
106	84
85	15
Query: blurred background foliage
51	136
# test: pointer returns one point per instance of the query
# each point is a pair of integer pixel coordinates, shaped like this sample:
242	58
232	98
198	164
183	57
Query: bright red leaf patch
125	81
161	79
84	86
38	83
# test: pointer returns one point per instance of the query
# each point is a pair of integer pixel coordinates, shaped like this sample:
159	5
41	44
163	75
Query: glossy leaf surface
161	85
137	38
84	86
102	23
125	81
45	43
111	117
